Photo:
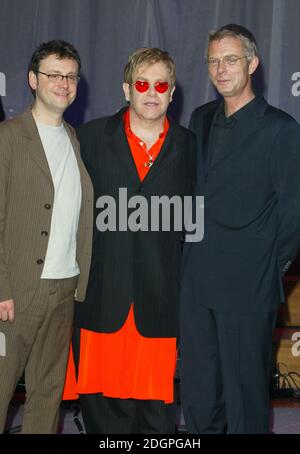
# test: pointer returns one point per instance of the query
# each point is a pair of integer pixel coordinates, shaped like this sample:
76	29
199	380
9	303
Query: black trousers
225	370
107	415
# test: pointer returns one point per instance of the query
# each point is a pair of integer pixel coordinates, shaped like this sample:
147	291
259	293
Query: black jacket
252	211
142	267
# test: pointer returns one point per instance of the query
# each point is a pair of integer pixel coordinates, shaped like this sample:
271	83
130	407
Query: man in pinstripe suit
45	238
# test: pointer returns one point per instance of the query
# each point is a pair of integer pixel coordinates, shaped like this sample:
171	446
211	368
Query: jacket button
47	206
40	261
44	233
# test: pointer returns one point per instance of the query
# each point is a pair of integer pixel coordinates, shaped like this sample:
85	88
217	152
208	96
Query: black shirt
223	128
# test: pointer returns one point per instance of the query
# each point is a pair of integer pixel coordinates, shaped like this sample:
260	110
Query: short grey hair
235	31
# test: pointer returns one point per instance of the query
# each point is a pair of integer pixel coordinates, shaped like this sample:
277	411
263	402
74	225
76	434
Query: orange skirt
123	365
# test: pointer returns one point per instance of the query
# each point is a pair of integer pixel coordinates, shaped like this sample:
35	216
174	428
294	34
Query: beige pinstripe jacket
26	200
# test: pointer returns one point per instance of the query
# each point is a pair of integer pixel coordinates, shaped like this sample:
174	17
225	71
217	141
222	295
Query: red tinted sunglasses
142	86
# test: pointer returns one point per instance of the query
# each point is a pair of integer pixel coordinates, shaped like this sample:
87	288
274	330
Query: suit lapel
117	142
76	148
35	147
119	145
208	120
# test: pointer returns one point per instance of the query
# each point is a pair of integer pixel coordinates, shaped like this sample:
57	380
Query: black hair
62	49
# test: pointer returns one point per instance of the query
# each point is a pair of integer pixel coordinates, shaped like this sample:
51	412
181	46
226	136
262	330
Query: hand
7	310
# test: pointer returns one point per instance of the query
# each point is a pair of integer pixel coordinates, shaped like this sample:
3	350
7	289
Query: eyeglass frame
150	85
225	60
60	77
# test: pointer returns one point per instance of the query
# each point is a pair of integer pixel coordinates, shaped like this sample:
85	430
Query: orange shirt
126	364
138	147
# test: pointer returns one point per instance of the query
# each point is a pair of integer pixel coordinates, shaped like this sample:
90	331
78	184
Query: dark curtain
106	31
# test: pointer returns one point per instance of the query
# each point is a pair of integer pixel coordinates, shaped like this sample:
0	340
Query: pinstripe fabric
39	337
38	341
142	266
26	199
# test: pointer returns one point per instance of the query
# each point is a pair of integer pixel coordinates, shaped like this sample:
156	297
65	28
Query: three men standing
125	336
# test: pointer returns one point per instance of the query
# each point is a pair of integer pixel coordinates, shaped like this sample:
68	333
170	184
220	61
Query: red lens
161	87
141	86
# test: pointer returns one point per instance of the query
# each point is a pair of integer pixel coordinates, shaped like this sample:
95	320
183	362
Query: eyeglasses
227	60
142	86
72	78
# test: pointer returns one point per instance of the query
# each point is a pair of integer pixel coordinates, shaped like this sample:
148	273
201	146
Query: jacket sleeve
5	287
285	169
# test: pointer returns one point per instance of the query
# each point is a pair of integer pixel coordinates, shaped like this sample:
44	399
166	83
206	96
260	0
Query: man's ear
126	89
32	79
253	65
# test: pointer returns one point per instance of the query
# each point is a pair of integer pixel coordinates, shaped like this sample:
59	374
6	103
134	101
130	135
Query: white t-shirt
60	261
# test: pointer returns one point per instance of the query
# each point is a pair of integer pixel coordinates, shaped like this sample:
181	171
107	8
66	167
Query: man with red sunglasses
125	332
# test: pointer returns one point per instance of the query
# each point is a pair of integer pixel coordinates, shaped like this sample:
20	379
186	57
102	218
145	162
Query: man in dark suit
129	321
46	201
232	280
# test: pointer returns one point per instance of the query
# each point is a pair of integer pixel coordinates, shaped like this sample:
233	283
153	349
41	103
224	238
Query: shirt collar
129	132
222	121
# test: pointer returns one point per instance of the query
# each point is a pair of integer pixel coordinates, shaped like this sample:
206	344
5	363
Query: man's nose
151	90
221	66
64	82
